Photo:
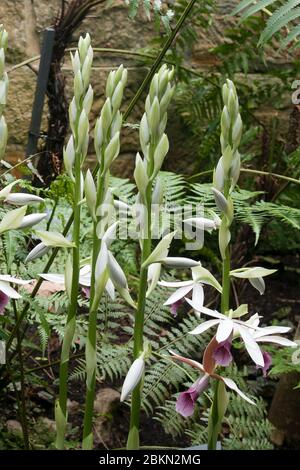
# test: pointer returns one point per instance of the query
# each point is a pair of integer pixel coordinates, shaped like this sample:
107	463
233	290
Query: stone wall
109	27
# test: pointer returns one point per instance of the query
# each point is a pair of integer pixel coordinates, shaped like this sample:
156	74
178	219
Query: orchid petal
224	330
204	326
198	295
270	330
57	278
8	290
251	346
178	294
277	340
233	386
176	284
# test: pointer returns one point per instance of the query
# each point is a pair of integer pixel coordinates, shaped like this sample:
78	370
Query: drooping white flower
133	377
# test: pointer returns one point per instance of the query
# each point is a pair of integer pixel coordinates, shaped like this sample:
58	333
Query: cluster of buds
109	123
227	171
154	142
80	106
3	89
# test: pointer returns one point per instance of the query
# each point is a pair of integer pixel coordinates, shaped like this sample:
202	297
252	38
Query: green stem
61	410
225	282
87	442
214	422
22	403
133	436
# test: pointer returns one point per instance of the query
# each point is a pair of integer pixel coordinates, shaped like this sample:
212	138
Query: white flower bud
2	61
78	87
83	130
73	114
112	150
3	92
31	219
69	157
116	273
86	68
160	152
179	262
117	96
237	130
116	124
153	117
106	116
221	201
90	193
140	174
144	132
19	199
133	377
37	252
88	100
76	65
3	135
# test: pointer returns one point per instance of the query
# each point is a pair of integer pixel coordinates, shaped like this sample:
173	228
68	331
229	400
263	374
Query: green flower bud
83	129
78	87
112	150
86	68
160	153
154	117
90	193
88	100
140	175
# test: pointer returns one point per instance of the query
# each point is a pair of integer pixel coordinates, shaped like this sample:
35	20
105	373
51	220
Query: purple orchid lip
267	363
175	307
222	354
4	299
186	401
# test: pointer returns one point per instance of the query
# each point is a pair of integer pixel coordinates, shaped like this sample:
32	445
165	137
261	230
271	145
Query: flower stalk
155	145
226	176
74	156
107	146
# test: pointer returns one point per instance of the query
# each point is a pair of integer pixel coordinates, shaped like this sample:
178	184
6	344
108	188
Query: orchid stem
133	442
61	406
87	443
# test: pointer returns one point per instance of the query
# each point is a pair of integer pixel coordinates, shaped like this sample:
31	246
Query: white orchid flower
84	280
6	289
249	331
200	276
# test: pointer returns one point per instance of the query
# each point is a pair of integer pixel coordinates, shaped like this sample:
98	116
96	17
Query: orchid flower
84	280
7	292
251	334
200	276
186	400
